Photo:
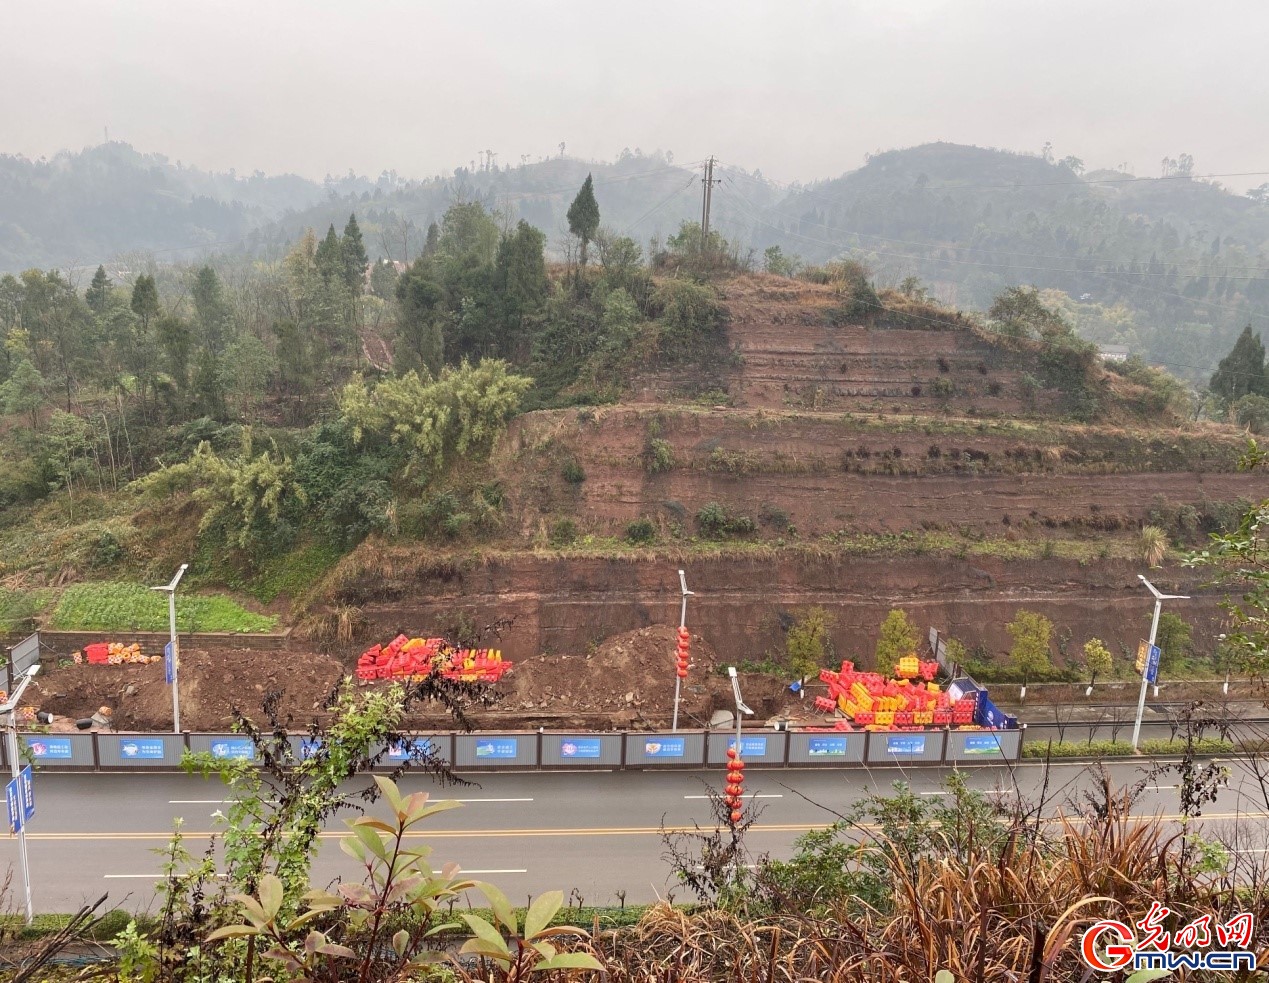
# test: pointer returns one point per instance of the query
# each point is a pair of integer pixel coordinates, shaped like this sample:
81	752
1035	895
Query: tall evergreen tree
419	343
1242	371
212	318
355	258
98	291
139	356
521	284
330	257
175	339
583	216
433	241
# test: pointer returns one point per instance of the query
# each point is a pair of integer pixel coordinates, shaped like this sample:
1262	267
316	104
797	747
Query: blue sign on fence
987	714
13	803
750	746
905	744
238	749
580	747
826	747
50	747
506	747
132	747
26	791
169	664
982	744
309	746
665	747
418	747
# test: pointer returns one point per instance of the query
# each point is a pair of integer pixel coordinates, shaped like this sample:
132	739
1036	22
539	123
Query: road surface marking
479	834
1160	787
773	795
519	870
493	800
202	802
936	793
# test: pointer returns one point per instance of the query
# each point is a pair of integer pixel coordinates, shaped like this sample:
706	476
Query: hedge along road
597	832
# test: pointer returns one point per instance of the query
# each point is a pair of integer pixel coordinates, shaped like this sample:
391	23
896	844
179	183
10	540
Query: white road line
936	793
775	795
148	877
1160	787
202	802
493	800
520	870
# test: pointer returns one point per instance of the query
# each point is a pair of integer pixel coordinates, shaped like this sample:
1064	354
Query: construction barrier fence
530	750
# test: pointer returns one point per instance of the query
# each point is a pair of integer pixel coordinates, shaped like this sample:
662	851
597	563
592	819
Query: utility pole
707	194
1150	657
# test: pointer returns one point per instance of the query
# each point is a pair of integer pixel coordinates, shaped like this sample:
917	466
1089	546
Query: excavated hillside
832	461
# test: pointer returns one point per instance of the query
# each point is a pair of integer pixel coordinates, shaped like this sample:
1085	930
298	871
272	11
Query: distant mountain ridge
1170	267
87	207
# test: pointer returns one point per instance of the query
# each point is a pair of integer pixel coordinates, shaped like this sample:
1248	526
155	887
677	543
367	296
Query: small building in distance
1113	353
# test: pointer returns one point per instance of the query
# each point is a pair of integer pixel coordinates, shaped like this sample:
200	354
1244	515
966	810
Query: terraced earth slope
856	464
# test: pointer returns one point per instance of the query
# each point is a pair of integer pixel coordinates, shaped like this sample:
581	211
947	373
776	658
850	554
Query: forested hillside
1171	267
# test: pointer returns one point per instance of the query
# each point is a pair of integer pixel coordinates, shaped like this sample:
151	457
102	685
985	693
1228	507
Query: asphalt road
596	832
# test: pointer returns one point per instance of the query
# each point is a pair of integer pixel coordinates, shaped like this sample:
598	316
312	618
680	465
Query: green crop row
132	607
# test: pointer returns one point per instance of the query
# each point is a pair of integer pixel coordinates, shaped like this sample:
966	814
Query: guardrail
537	750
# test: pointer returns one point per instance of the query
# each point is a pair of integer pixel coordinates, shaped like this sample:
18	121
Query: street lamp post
678	679
9	711
1145	670
170	590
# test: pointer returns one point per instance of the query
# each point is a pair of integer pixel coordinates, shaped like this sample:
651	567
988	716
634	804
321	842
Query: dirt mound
211	685
628	681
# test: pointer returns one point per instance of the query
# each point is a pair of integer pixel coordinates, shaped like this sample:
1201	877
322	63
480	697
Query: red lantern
731	752
735	816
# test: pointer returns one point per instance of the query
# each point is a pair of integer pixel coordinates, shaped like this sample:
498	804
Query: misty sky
801	90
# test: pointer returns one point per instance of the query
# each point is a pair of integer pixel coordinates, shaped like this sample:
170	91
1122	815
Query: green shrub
1205	745
563	532
715	522
573	472
106	552
658	456
1076	749
691	320
641	531
1107	749
774	517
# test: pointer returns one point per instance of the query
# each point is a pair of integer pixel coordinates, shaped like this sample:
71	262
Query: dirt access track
625	683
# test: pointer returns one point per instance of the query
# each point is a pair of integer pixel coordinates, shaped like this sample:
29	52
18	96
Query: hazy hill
83	208
641	196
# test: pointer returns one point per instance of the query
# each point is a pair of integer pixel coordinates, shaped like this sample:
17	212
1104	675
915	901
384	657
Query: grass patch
132	607
19	608
293	573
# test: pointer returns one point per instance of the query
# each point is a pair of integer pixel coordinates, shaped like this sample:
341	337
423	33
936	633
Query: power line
674	194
